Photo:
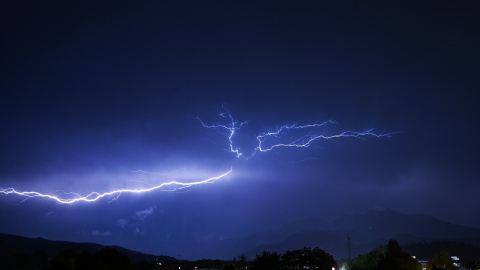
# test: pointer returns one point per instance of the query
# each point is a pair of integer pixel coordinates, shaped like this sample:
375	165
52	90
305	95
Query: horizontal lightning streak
303	141
301	136
94	196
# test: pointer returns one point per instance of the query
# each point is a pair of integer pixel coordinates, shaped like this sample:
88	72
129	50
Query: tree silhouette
111	259
308	258
85	261
396	259
441	261
65	260
15	261
39	260
369	261
392	259
393	248
267	261
242	262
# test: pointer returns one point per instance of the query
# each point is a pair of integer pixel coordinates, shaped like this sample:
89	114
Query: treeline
392	259
110	258
105	259
434	256
306	258
426	249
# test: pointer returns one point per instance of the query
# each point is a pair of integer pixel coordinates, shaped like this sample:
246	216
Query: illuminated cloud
122	223
138	231
100	233
143	214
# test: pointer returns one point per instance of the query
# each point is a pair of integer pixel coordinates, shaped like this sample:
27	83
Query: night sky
98	97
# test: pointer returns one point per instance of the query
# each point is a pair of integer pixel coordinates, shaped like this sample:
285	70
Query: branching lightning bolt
305	140
94	196
234	126
298	136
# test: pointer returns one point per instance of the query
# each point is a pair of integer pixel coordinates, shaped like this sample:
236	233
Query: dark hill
13	244
368	231
387	223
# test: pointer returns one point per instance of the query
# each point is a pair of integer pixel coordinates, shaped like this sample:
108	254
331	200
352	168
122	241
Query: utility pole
349	258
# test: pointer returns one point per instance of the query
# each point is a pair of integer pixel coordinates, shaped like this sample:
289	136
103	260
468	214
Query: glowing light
234	126
94	196
305	135
298	136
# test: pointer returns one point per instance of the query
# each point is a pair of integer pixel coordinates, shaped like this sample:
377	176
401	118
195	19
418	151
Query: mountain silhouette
13	244
367	231
418	233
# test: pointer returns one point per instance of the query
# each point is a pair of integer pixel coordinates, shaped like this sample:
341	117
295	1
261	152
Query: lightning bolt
305	135
231	128
308	139
94	196
298	136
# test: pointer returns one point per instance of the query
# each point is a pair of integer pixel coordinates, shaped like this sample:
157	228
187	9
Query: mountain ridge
367	231
13	244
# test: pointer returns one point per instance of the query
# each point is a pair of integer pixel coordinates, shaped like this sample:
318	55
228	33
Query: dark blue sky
92	92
